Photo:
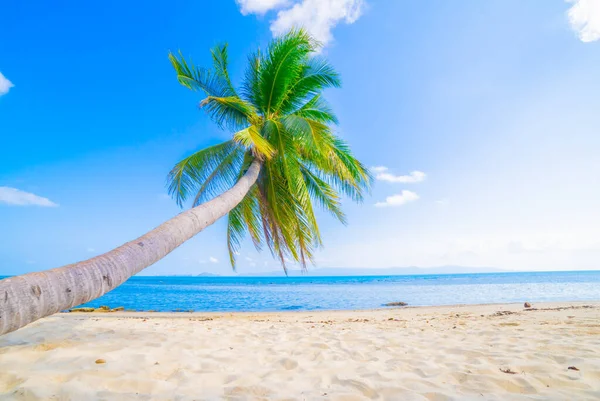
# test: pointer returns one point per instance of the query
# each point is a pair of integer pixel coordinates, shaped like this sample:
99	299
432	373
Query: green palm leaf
316	76
192	173
252	139
318	110
221	68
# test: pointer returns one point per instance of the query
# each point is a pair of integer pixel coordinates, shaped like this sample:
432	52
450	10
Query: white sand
429	353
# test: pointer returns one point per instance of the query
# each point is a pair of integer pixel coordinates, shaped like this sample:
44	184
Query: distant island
360	271
389	271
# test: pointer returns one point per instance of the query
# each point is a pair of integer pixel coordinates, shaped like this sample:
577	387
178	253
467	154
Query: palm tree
282	159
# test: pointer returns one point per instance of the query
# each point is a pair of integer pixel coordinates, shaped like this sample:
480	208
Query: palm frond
188	176
318	110
221	178
308	133
251	87
316	75
221	68
196	78
251	139
285	60
338	166
231	112
222	103
321	191
242	219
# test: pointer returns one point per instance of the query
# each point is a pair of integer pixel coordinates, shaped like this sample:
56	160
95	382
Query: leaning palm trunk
26	298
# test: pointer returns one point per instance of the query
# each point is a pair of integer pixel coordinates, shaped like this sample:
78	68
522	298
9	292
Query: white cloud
399	200
16	197
90	249
5	85
383	175
379	169
250	261
318	17
584	17
212	259
259	6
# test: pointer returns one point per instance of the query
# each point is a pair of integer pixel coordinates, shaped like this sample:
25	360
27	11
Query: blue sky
481	119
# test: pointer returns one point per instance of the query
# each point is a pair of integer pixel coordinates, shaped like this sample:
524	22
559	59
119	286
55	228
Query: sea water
360	292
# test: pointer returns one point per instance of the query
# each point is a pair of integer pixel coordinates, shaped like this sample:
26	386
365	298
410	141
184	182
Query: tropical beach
300	200
470	352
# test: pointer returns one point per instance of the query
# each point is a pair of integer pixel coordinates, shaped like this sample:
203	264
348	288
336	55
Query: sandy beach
481	352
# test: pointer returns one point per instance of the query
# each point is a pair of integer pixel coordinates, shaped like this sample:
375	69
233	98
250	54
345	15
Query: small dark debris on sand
508	371
503	313
573	368
102	308
85	310
564	308
527	305
396	304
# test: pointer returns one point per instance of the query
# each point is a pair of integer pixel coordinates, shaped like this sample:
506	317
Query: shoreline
500	351
535	306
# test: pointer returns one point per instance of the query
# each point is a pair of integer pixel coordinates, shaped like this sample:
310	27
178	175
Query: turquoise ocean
176	293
